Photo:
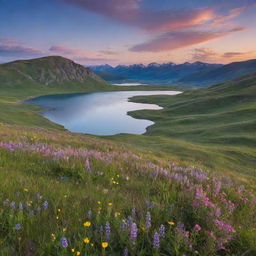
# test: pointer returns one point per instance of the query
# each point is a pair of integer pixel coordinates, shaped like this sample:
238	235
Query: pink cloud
180	39
12	48
79	55
130	12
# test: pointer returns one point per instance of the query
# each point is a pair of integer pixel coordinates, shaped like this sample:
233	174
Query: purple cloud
180	39
13	48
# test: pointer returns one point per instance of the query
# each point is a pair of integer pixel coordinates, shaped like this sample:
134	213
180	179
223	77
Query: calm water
101	113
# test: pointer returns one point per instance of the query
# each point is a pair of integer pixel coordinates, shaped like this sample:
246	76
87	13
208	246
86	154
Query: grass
59	185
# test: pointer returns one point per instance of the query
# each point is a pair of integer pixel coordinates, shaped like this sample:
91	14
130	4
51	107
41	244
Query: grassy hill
218	121
46	75
221	74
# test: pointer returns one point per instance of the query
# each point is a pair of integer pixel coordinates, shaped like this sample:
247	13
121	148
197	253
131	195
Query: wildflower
45	205
133	212
126	253
89	214
171	223
72	250
87	224
162	231
53	237
18	226
86	240
25	189
12	205
117	214
104	244
148	220
20	206
110	204
87	165
78	253
197	228
133	232
156	241
57	217
38	196
59	210
64	242
98	202
64	229
107	230
65	196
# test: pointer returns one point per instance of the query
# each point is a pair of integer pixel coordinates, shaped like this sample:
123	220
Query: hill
220	74
217	122
47	75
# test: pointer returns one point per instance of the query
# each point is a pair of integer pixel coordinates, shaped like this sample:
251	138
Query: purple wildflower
162	231
45	205
12	205
148	220
197	228
20	206
64	242
87	165
156	241
18	226
107	230
126	253
133	212
134	232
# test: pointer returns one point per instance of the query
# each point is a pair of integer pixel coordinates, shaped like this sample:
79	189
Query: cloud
108	52
13	48
79	55
209	55
130	12
180	39
64	50
236	54
203	54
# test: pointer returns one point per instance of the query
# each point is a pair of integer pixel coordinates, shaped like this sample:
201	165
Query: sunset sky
129	31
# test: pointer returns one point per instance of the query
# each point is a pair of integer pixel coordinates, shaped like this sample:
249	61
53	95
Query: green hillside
219	120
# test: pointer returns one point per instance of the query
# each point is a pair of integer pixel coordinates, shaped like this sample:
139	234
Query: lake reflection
101	113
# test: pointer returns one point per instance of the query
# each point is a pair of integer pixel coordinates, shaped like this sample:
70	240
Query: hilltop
53	74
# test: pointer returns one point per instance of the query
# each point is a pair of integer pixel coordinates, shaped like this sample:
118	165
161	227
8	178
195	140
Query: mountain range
197	74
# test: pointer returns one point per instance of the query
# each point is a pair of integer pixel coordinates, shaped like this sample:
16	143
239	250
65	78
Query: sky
94	32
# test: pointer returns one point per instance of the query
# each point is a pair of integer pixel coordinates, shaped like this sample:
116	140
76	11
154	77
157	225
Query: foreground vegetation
187	187
66	194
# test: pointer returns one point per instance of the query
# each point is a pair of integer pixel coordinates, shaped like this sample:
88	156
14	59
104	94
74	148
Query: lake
100	113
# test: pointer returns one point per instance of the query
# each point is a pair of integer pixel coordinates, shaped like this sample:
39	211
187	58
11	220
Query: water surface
101	113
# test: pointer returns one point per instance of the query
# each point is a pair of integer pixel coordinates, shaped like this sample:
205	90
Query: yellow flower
92	244
25	189
57	217
65	196
86	240
171	223
117	214
104	244
99	202
73	250
59	210
64	229
78	253
110	204
87	224
53	237
143	228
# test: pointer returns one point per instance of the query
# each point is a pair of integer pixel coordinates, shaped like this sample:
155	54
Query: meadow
72	194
